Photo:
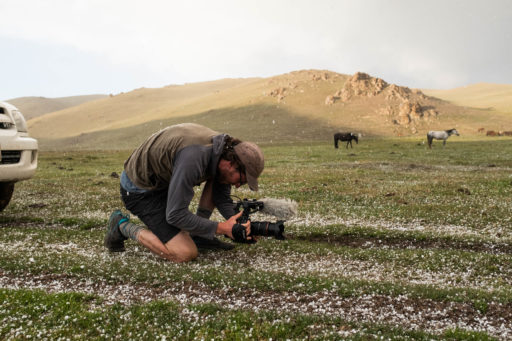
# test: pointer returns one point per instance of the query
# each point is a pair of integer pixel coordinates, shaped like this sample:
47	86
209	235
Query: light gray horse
440	135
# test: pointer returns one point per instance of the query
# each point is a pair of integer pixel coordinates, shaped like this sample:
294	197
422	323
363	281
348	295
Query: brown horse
345	137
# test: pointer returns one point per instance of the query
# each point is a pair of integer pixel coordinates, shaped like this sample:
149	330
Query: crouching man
157	185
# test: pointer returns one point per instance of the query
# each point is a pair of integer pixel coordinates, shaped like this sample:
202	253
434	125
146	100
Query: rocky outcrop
278	93
322	76
296	84
362	85
413	113
401	105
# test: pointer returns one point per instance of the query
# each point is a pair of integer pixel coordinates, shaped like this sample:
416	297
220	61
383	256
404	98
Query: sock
203	212
130	230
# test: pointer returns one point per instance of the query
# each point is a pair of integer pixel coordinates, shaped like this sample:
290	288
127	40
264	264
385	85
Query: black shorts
150	208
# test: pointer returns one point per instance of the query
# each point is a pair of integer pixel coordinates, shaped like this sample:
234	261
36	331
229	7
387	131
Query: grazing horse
345	137
491	133
440	135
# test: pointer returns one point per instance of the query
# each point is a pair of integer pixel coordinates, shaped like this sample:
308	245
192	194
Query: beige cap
252	158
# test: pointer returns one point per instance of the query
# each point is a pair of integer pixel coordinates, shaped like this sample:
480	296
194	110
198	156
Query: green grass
387	223
61	316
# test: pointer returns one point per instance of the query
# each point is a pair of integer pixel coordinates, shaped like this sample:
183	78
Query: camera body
259	228
249	207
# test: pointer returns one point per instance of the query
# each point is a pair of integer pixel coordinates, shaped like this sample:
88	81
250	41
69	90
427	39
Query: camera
258	228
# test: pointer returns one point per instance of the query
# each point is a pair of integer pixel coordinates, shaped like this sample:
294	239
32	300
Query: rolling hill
302	105
482	95
36	106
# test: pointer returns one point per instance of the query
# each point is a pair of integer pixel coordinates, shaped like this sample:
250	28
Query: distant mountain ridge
36	106
481	95
303	105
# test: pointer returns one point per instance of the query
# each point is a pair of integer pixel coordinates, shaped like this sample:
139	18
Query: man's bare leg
181	248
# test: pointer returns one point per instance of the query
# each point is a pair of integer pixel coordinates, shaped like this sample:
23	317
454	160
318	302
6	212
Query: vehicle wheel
6	189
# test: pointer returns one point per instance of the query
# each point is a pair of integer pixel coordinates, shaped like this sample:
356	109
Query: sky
59	48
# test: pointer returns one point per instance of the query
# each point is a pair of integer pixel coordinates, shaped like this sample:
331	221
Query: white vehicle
18	152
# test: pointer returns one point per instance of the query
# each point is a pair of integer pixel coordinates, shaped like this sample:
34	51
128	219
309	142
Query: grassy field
392	241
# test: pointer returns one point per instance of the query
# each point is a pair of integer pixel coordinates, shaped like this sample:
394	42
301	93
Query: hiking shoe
211	244
114	240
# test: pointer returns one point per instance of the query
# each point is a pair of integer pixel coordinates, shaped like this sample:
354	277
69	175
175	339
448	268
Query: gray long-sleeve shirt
192	164
178	158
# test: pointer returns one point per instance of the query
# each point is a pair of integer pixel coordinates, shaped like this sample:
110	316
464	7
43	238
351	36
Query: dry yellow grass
286	108
32	107
132	108
482	95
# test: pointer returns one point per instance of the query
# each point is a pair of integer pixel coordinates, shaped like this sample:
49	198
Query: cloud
437	44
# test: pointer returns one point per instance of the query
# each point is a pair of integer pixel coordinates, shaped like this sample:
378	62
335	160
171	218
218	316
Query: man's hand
240	234
226	227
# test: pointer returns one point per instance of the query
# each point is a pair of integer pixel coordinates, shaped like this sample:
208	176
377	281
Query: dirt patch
407	312
400	243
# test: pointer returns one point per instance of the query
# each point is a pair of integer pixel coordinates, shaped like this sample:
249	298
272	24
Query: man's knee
181	248
184	255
